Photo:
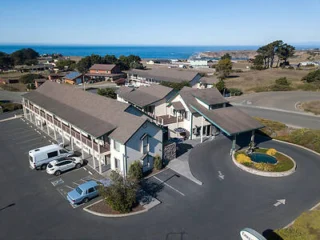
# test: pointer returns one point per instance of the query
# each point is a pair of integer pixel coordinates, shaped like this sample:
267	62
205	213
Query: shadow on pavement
183	148
151	188
271	235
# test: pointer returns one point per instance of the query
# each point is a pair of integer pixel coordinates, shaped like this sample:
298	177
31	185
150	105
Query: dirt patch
104	208
312	106
247	81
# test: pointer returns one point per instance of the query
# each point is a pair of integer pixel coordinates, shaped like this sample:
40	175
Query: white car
58	166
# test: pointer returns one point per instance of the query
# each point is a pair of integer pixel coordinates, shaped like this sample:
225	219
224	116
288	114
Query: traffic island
264	162
102	209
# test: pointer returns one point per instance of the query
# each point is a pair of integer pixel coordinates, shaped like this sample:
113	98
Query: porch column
62	134
71	138
81	145
99	161
47	125
233	144
54	128
202	129
94	162
252	138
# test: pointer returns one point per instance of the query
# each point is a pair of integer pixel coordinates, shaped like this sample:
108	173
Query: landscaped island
264	162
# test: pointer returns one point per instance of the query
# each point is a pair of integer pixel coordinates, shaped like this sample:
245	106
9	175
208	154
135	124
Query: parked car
40	157
83	193
60	165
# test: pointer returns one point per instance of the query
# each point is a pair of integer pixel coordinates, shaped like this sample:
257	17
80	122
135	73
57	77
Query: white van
40	157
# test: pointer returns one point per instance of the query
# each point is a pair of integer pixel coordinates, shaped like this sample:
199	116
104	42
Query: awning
178	106
230	120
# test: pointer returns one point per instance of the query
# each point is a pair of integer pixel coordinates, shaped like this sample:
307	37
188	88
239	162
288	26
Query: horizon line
146	45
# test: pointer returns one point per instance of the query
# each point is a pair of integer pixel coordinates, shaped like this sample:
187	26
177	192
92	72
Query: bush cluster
271	152
243	159
158	162
121	195
8	107
263	167
135	170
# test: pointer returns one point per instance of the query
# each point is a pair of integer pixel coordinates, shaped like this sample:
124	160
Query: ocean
145	52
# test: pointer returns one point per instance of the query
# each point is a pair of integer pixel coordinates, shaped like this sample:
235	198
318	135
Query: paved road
281	100
242	199
31	208
289	118
12	96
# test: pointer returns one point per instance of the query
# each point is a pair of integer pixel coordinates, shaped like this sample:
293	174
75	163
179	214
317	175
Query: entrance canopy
230	120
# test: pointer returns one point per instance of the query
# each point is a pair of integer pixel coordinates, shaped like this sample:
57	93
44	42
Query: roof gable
102	67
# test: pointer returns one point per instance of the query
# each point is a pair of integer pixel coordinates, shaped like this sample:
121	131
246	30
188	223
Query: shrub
121	195
135	170
281	84
271	152
235	91
158	162
243	159
29	78
107	92
8	107
313	76
263	166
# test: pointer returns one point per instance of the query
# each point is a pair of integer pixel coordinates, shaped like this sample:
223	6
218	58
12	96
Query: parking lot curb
118	215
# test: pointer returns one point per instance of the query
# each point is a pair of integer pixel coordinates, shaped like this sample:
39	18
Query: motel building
191	113
109	134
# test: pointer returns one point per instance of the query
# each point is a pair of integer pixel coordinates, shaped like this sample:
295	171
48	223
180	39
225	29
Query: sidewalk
181	163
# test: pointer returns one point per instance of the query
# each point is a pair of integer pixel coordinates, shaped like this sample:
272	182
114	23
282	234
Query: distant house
151	100
156	76
73	78
39	82
208	82
103	72
198	63
54	77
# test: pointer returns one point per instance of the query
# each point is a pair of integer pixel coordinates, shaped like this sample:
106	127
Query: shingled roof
145	95
90	112
165	74
102	67
209	96
231	120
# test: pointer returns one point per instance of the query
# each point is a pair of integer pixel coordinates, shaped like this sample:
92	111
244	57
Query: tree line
268	53
26	56
124	62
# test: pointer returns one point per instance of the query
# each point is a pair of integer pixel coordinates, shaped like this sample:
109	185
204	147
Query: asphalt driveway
31	208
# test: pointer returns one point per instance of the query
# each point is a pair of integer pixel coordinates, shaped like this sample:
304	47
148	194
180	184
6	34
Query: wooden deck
168	119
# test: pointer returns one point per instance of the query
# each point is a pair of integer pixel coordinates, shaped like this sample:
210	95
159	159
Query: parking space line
62	193
30	140
162	182
69	187
76	183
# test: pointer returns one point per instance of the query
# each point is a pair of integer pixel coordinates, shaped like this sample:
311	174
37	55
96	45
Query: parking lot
25	137
167	185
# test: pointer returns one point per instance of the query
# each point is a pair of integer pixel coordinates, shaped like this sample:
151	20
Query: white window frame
145	138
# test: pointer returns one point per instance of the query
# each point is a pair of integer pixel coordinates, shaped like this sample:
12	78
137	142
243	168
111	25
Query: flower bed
284	163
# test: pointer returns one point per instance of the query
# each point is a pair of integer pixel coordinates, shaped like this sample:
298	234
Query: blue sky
160	22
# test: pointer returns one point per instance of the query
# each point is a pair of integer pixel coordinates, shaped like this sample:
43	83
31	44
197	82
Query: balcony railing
85	140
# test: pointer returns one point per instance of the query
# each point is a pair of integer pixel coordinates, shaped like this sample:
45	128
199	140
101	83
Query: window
116	146
91	190
52	154
79	190
63	151
116	163
145	145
